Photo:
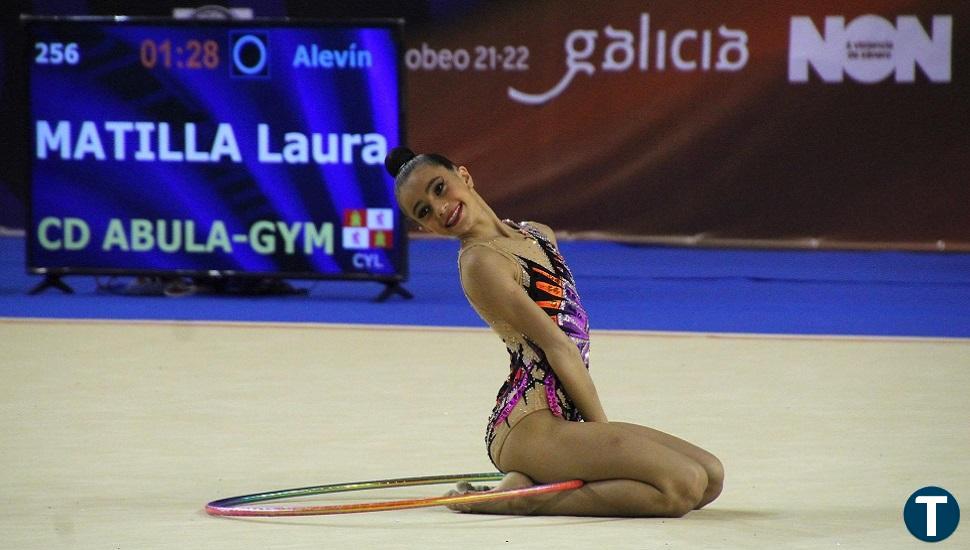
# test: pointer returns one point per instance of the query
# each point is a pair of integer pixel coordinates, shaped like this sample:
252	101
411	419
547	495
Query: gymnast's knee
687	490
715	482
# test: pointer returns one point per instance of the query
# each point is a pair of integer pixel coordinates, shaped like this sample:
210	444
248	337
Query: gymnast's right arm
489	281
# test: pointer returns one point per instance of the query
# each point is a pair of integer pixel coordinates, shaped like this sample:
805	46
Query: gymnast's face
440	199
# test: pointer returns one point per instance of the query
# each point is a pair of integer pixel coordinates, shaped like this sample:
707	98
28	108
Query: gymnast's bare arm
489	280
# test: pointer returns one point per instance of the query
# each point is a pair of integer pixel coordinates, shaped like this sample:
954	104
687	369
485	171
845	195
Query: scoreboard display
214	147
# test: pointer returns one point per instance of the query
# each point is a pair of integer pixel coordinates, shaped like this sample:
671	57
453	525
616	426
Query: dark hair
401	161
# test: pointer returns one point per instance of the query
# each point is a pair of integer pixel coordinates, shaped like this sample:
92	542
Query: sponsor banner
786	123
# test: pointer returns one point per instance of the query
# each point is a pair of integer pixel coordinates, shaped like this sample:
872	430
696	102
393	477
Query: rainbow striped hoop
239	506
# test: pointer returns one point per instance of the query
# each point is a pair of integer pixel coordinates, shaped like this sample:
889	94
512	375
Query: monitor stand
51	280
391	288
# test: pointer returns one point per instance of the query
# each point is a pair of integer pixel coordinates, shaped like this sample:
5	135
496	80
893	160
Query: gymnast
548	424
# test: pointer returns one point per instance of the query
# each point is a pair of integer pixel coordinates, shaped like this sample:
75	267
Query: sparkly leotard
532	385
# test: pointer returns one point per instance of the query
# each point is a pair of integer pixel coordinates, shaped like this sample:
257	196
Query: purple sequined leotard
555	292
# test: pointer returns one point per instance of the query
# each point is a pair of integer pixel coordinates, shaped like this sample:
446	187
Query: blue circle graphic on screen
249	55
931	514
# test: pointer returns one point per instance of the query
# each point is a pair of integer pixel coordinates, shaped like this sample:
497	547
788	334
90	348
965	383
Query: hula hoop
237	506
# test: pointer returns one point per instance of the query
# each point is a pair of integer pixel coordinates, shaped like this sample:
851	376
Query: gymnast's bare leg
629	470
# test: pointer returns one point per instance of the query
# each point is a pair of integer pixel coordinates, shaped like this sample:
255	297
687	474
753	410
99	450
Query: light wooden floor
114	434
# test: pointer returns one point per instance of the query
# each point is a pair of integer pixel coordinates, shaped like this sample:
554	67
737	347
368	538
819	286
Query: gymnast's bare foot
512	480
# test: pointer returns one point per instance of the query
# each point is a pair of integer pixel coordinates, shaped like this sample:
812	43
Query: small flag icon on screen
365	228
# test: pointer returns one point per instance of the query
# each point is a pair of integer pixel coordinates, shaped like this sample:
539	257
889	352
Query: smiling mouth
455	215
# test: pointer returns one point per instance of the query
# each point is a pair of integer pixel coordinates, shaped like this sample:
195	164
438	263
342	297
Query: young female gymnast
548	424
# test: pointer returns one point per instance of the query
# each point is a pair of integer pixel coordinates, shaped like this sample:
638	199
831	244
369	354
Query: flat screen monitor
219	148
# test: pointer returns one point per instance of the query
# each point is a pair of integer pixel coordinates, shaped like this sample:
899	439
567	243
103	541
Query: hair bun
398	157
